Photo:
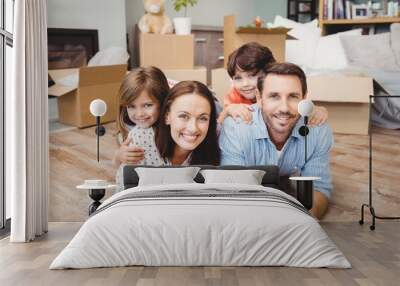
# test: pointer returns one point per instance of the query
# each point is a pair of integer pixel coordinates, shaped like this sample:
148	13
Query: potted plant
183	25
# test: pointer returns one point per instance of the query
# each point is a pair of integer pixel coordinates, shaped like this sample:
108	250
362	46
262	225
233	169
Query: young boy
245	66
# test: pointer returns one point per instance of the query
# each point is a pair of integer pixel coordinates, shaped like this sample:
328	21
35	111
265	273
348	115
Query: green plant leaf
179	4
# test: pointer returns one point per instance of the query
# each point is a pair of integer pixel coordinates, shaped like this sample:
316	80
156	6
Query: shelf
253	30
378	20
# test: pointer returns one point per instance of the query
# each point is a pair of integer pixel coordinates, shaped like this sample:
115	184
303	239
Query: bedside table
97	190
304	190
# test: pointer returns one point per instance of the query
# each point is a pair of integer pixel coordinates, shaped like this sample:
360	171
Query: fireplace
71	48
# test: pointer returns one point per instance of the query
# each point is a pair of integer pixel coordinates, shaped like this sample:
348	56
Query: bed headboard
270	179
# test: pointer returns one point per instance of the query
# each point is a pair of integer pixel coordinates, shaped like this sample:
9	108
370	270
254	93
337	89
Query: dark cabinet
208	48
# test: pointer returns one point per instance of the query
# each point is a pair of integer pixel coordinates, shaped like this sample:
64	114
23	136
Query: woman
187	131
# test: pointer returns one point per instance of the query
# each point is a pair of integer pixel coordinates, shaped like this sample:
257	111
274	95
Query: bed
201	224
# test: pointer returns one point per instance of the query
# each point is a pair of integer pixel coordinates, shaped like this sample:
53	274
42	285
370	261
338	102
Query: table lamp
97	188
305	108
304	185
98	108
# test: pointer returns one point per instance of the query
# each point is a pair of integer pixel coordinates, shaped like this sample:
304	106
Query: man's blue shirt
249	144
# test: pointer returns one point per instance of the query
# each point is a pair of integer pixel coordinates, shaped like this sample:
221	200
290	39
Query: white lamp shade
305	107
98	107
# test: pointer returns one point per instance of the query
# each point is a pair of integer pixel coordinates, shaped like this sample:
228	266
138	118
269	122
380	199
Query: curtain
27	146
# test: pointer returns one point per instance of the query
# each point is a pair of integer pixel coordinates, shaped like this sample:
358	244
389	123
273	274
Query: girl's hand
319	116
128	154
237	111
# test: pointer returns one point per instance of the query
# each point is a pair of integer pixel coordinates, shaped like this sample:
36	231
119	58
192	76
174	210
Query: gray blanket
206	194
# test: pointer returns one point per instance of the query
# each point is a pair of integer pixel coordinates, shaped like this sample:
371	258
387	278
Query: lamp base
305	190
303	130
96	195
304	193
374	216
100	130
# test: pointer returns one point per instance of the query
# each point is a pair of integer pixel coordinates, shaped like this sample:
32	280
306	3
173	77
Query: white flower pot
183	26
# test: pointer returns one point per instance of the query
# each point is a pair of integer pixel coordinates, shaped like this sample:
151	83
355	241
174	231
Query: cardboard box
167	51
94	82
220	83
346	98
235	37
197	73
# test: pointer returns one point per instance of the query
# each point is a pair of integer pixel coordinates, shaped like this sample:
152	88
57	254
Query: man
274	138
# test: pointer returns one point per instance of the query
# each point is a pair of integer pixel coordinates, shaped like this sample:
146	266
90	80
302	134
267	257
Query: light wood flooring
73	159
374	255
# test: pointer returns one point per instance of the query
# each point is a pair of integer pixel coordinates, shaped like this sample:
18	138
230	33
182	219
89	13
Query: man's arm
230	144
318	165
320	205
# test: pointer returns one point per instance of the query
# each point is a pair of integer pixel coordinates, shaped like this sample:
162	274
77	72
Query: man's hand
237	111
128	154
319	116
320	205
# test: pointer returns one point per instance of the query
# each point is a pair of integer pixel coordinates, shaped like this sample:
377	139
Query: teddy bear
154	20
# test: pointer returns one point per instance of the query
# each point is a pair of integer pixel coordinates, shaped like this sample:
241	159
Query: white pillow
166	176
330	54
109	56
300	52
248	177
280	21
370	51
294	53
300	31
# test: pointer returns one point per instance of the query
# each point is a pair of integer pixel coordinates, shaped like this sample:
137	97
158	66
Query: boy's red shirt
234	97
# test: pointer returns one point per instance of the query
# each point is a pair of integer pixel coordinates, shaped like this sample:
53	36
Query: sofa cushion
300	52
370	51
330	54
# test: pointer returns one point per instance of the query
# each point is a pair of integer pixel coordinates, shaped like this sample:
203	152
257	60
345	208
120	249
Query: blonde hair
149	79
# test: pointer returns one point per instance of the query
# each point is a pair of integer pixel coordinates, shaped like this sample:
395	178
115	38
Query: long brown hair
208	152
149	79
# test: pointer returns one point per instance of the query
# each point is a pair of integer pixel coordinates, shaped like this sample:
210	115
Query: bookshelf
336	25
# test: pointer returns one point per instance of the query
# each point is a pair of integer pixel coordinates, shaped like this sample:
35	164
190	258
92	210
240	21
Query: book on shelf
349	9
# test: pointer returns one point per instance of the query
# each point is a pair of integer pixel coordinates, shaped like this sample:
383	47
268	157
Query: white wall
206	12
114	18
107	16
268	9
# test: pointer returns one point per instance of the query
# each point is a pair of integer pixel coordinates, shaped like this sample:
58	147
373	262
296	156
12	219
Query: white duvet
207	230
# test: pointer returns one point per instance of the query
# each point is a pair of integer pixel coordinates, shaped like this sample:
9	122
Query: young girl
141	96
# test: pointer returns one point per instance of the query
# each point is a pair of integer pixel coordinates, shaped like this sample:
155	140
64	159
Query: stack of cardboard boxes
173	54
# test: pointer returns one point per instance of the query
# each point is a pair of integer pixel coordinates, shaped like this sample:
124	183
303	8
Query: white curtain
27	148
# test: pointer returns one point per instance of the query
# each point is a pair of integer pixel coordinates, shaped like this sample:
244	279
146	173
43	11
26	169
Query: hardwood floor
73	159
374	255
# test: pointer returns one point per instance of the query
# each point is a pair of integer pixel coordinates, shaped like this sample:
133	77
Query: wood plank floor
73	159
374	255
